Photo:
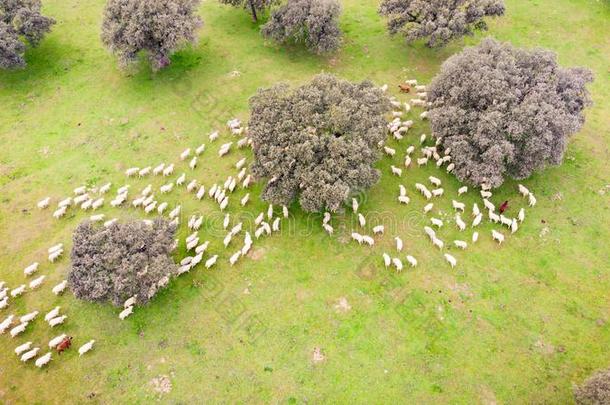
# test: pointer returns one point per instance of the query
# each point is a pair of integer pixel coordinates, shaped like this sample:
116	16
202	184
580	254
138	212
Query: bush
157	27
318	142
438	20
595	390
312	22
20	21
506	112
116	263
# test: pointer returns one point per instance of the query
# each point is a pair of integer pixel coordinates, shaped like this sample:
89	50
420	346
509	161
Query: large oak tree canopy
438	21
318	142
157	27
21	22
506	112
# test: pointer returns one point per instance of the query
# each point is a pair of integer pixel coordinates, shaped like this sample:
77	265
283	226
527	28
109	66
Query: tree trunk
253	10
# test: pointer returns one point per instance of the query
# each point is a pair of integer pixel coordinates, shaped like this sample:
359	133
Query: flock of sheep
150	201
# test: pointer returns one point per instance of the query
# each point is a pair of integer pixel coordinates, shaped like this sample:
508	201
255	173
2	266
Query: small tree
254	7
438	20
505	111
318	142
595	390
20	22
116	263
312	22
157	27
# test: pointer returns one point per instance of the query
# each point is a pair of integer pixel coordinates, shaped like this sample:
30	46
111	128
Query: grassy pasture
516	324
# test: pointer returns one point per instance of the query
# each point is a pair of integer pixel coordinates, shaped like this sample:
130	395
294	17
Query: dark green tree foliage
157	27
595	390
438	21
116	263
20	22
506	112
318	142
254	7
312	22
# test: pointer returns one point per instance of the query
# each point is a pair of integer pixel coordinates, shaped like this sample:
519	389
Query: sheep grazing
211	261
494	217
87	204
521	215
57	320
430	232
485	194
42	204
399	244
397	171
6	323
213	136
270	211
186	153
460	244
422	161
17	330
80	190
523	190
233	259
224	203
59	288
16	292
224	149
477	220
125	313
326	218
37	282
130	301
23	348
193	163
475	237
475	210
428	207
85	348
407	161
43	360
462	190
451	260
435	181
247	181
397	263
132	171
378	230
412	261
60	212
514	226
387	260
55	255
175	212
105	188
531	200
64	203
450	167
31	269
438	243
28	317
458	205
497	236
285	211
436	222
329	229
489	205
505	221
168	170
361	220
459	222
4	302
144	172
52	314
357	237
368	240
389	151
403	199
437	192
157	170
30	354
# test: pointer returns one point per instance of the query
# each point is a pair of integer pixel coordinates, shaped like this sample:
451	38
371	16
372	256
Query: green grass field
520	323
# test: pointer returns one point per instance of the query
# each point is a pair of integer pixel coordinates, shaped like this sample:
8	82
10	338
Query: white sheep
397	171
430	232
86	347
4	302
458	205
193	163
521	215
23	348
428	207
30	354
387	260
16	292
105	188
157	170
285	211
211	261
378	230
44	203
412	261
132	171
59	288
477	220
37	282
523	190
31	269
144	172
185	154
389	151
450	167
497	236
531	200
399	244
80	190
488	204
329	229
52	314
475	237
168	170
437	192
361	220
125	313
57	320
270	211
199	150
460	244
451	260
60	212
4	325
486	194
514	226
462	190
438	243
422	161
475	210
130	301
18	329
397	263
494	217
436	222
224	203
459	222
28	317
64	203
435	181
357	237
233	259
368	240
43	360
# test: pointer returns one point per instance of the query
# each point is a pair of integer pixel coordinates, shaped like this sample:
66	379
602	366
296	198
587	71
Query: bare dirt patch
342	305
257	254
317	356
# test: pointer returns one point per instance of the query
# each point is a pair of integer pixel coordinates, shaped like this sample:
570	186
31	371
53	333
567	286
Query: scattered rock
604	190
342	305
161	384
124	121
543	347
557	197
317	356
545	231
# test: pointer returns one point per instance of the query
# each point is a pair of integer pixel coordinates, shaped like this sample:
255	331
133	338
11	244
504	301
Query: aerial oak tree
595	390
506	112
20	22
438	21
123	260
254	7
312	22
157	27
317	143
